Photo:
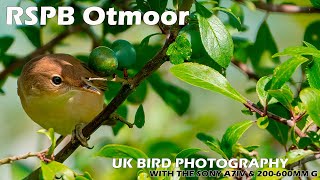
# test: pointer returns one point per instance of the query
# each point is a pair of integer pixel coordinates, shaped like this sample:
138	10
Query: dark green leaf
139	118
33	34
56	169
312	73
2	81
312	33
145	41
278	130
232	135
241	49
310	97
6	42
304	142
20	170
234	20
261	89
212	143
283	72
187	152
7	61
314	136
262	50
283	95
180	50
216	39
139	95
143	5
298	51
206	78
296	155
177	98
203	11
158	5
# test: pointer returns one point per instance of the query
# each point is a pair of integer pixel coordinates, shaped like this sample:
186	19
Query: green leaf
233	13
232	135
216	39
121	151
241	49
310	97
143	5
212	143
139	95
180	50
203	11
139	118
2	81
56	169
283	95
262	50
312	33
304	142
296	155
158	5
206	78
298	51
177	98
6	42
145	41
260	89
33	34
278	130
50	134
8	60
85	176
283	72
263	122
312	73
187	152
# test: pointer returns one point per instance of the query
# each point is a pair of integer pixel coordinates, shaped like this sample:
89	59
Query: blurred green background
164	132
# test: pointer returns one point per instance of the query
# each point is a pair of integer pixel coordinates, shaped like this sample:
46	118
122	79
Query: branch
20	62
283	8
122	95
253	107
304	160
245	70
9	160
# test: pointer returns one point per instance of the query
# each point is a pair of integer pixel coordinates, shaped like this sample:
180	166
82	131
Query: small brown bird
55	93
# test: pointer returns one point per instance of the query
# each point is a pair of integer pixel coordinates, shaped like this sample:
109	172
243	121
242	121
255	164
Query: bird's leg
116	117
77	134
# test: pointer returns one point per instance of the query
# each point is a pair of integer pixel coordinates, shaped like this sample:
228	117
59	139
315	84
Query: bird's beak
87	86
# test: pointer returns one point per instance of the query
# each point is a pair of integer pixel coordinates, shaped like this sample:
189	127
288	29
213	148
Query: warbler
55	93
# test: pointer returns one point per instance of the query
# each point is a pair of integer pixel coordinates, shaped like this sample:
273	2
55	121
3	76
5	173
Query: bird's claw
77	134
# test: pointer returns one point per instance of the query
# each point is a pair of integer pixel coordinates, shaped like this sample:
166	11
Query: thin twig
246	70
270	115
11	159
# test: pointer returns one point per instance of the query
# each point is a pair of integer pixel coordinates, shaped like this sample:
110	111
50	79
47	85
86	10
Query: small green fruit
103	60
125	53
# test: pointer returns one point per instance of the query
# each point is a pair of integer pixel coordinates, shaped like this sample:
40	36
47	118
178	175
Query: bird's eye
56	80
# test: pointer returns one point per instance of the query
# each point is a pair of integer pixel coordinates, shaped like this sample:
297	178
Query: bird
55	92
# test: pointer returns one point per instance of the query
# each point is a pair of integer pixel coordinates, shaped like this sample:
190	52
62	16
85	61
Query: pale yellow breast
63	112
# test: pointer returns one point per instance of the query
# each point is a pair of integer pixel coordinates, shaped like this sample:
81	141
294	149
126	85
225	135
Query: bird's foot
77	134
43	156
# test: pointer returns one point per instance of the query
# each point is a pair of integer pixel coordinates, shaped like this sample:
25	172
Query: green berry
103	60
125	53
